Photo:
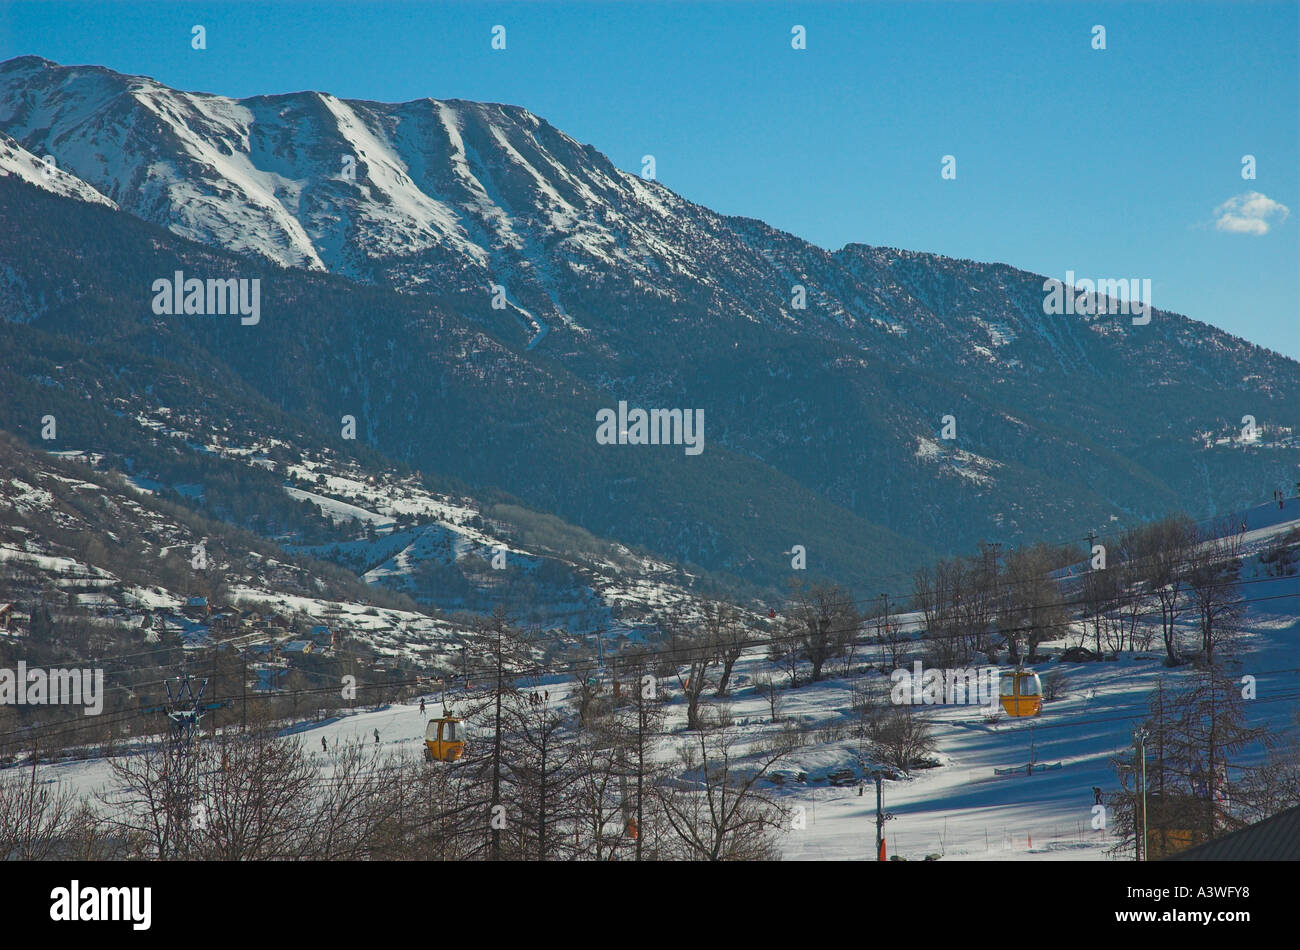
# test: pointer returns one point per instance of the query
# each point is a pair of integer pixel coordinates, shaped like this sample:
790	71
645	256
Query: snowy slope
962	809
311	180
16	160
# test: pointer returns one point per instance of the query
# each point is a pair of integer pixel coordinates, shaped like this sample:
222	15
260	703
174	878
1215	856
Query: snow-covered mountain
307	179
17	161
829	372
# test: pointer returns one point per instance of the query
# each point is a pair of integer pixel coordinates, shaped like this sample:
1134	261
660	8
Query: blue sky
1111	163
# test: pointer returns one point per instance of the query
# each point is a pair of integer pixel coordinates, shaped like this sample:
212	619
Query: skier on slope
323	746
421	705
1096	795
376	737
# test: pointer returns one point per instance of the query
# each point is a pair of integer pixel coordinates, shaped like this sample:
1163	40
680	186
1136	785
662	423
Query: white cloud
1249	213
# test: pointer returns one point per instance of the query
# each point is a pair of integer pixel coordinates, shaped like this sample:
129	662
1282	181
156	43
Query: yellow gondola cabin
1021	693
445	738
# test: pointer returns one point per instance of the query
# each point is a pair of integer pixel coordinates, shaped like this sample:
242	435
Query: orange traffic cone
881	856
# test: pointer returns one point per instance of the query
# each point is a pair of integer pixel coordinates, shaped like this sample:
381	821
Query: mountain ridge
616	288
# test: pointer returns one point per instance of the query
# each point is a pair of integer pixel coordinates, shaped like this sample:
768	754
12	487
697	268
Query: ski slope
961	809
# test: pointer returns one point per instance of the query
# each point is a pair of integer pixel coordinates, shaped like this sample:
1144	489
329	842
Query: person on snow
1096	795
421	706
376	737
323	746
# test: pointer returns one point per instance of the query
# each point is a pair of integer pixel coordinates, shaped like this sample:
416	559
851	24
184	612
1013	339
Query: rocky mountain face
492	284
19	163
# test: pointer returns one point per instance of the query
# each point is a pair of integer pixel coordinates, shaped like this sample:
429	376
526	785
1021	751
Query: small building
322	636
297	647
1273	839
6	617
223	621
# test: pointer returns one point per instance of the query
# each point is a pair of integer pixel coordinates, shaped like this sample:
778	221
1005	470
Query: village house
224	621
322	636
196	608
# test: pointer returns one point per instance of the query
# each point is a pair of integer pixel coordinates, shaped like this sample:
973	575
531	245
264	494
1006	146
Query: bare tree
729	633
35	819
507	655
692	653
767	688
1098	598
824	621
1193	738
894	643
1131	578
640	722
150	800
540	762
1168	547
938	592
351	813
597	800
903	738
1273	786
1031	609
1213	573
723	815
253	798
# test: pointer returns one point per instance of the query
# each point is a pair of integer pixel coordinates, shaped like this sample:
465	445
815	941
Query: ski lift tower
184	712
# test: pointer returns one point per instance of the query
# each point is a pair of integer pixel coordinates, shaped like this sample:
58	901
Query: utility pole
880	820
545	735
995	548
881	816
36	748
1140	738
640	763
499	622
213	677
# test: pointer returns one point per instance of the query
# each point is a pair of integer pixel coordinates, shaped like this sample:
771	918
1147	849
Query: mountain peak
310	180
